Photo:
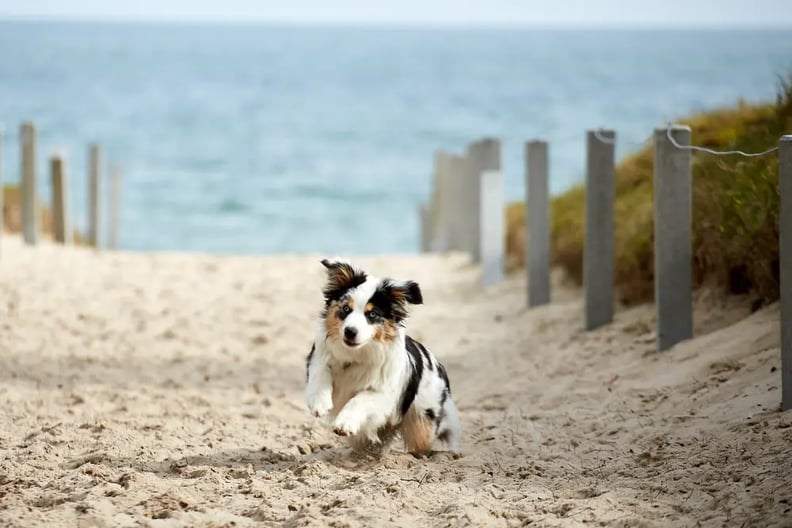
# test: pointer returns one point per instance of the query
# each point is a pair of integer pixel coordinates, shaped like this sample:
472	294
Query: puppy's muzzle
350	336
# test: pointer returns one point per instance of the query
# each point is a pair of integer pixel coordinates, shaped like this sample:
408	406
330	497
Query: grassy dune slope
735	208
12	214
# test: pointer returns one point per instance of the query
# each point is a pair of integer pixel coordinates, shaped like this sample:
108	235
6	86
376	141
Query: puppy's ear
330	264
405	291
412	293
397	295
341	277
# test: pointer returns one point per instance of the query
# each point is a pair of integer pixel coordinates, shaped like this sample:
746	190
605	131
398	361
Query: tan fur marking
341	276
398	294
333	322
385	332
417	431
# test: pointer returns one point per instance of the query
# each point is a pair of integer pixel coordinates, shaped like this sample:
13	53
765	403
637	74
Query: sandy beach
167	390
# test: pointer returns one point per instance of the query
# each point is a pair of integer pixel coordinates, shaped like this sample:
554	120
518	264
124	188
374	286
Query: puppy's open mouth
350	343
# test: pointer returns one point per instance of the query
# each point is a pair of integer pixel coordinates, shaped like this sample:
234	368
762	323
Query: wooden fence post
61	226
30	205
599	246
94	189
673	237
115	207
537	220
785	250
481	155
423	222
2	214
492	227
439	212
457	194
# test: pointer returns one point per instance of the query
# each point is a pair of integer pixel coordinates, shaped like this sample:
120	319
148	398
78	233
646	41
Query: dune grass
735	208
12	209
12	215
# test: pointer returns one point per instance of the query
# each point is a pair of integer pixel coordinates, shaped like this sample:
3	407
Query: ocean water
256	139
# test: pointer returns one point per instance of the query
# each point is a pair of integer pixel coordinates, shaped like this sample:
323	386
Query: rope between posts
603	139
715	152
612	141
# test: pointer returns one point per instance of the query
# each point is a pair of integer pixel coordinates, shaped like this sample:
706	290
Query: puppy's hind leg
417	432
450	428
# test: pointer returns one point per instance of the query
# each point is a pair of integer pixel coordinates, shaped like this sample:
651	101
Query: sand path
166	390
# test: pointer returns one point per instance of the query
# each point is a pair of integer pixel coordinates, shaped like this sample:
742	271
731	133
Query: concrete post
537	220
115	207
785	249
30	204
673	237
61	226
94	193
492	227
598	252
482	155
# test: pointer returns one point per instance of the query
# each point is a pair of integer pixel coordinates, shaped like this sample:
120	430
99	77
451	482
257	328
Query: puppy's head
361	309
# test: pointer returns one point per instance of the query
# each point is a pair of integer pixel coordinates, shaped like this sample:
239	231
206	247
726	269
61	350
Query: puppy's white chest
350	376
350	379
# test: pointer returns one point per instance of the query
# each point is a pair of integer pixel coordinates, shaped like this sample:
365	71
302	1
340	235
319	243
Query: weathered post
492	227
61	225
482	155
440	225
30	205
94	188
423	222
457	194
599	246
673	237
115	206
537	223
785	249
2	215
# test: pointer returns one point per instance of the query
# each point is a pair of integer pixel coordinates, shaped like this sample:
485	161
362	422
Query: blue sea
257	139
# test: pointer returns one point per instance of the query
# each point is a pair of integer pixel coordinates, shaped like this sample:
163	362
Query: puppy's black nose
350	332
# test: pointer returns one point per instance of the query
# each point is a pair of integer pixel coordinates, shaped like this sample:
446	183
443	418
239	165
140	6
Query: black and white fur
368	378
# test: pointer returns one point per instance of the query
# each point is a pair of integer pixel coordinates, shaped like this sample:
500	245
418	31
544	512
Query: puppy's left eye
373	315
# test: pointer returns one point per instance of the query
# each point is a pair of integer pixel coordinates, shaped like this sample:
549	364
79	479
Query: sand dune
166	390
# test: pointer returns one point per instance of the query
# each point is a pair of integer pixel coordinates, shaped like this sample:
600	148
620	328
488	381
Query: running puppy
366	376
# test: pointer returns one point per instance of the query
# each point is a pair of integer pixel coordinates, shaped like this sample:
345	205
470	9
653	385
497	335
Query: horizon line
388	25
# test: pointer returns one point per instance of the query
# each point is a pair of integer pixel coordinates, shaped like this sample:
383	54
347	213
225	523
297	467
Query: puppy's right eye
346	309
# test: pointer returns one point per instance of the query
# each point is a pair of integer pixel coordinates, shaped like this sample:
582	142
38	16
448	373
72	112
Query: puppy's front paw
346	423
320	405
